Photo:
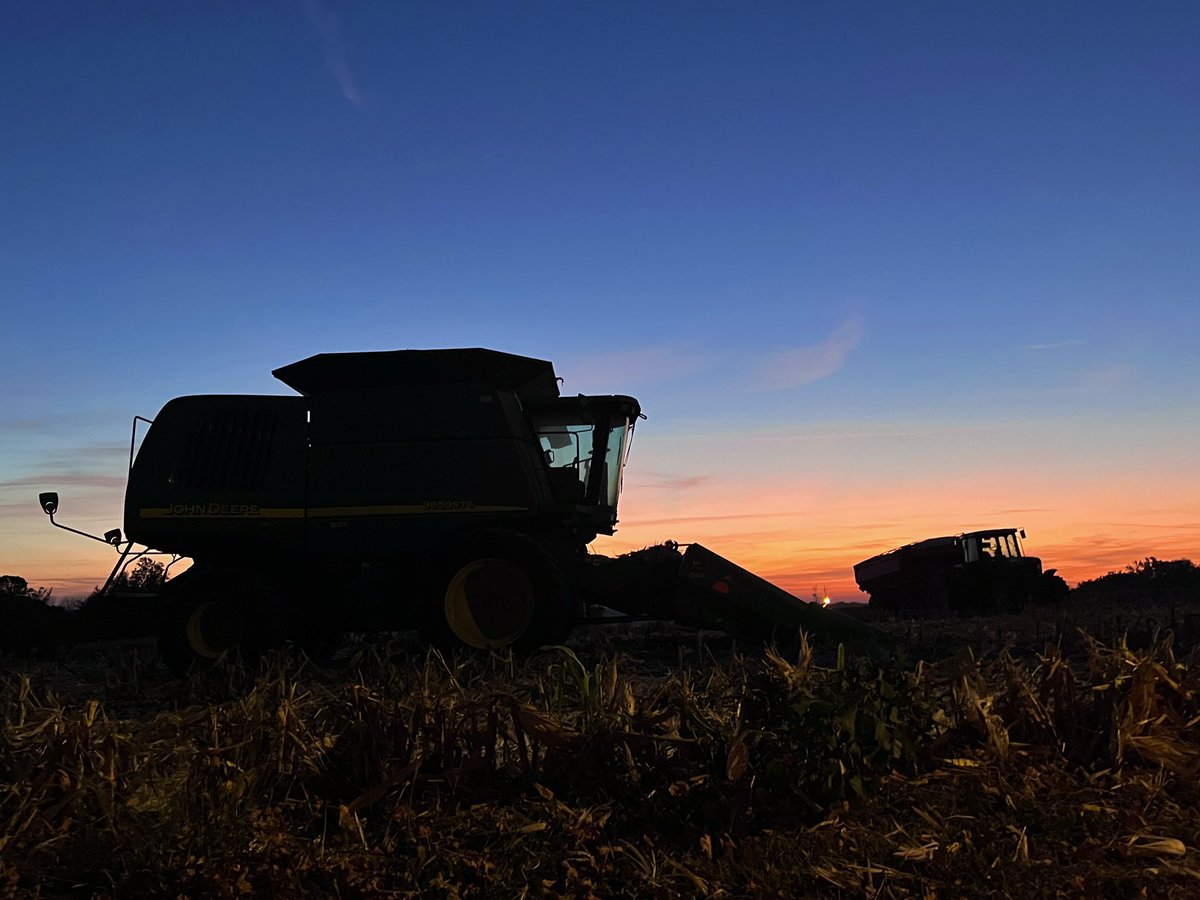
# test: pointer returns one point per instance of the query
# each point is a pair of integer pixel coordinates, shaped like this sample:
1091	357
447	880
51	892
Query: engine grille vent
228	450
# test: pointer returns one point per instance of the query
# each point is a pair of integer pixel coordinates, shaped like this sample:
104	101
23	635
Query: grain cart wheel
209	611
1007	598
937	597
498	589
1050	588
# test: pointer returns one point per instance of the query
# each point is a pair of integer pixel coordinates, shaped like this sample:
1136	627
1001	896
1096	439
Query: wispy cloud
61	422
69	588
1055	345
75	479
1104	378
812	362
658	481
730	517
636	367
329	31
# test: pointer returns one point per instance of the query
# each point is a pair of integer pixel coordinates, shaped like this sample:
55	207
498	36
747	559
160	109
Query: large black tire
937	597
213	611
882	602
495	589
1007	599
1050	588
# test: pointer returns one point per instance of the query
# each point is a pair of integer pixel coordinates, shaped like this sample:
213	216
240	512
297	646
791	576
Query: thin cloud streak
1104	378
1055	345
812	362
60	422
638	367
650	481
76	479
1182	526
673	520
329	32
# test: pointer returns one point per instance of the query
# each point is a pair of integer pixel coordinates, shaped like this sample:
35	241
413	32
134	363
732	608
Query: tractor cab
994	544
583	442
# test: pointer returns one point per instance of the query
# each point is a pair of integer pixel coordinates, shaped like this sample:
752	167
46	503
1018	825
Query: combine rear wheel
498	589
209	612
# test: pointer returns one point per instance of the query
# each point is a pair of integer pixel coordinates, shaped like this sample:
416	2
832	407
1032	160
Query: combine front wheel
499	589
207	613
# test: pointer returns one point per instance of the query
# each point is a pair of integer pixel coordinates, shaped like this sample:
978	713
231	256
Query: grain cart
976	572
453	491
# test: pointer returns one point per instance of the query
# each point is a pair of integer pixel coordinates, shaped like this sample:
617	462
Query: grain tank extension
452	491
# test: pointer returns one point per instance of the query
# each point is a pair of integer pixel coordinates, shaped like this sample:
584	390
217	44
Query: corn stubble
589	773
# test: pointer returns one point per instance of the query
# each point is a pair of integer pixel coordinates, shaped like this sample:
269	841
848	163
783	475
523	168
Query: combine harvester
452	491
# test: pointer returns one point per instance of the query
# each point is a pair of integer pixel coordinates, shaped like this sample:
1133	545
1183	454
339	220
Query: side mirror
113	537
1022	534
49	502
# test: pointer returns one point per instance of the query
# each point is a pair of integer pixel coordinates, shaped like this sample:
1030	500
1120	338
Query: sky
876	271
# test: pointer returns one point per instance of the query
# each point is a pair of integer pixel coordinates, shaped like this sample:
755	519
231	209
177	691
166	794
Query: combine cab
975	573
453	491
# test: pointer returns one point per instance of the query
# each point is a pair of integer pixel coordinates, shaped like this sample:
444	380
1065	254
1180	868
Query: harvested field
1041	755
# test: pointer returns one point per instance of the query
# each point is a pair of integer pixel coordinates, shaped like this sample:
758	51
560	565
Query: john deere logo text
196	510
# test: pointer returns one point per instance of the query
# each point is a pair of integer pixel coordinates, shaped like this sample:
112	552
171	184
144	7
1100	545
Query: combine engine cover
221	475
386	454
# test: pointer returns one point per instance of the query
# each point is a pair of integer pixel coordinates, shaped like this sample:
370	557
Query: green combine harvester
451	491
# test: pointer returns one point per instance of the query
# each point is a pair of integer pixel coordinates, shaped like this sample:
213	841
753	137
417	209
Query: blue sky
901	241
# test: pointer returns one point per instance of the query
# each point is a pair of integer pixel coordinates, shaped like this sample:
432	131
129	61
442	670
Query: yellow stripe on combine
246	511
418	509
220	511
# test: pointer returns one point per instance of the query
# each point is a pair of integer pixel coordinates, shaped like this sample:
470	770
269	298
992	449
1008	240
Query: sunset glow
800	521
873	275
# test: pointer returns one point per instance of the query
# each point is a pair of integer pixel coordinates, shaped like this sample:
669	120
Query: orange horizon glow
808	558
1082	531
830	573
801	514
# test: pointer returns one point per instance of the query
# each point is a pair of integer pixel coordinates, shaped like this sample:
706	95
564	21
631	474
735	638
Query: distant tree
1152	567
1150	575
27	619
147	576
16	586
